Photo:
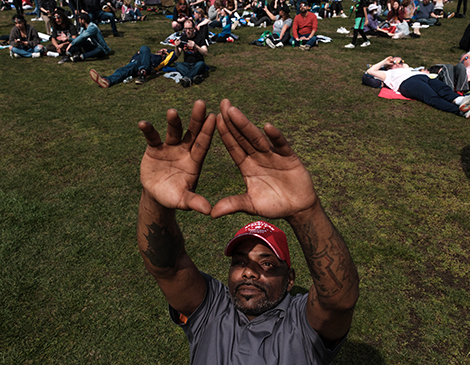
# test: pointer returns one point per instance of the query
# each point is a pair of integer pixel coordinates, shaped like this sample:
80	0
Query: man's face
303	8
425	2
189	29
465	59
258	280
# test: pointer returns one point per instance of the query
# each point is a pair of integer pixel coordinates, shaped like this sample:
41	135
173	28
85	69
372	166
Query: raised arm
375	70
279	186
169	174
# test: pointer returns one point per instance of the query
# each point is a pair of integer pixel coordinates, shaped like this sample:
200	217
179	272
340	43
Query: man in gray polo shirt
254	320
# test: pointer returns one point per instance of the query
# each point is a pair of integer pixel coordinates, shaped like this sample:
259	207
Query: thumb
197	202
232	204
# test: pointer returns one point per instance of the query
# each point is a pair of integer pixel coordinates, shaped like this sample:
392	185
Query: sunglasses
465	58
399	62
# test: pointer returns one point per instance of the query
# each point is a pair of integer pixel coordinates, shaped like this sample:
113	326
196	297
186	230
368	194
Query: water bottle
127	80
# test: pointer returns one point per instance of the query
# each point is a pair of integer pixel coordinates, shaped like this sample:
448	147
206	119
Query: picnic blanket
387	93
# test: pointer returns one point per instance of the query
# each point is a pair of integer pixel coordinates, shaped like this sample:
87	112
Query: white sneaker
37	19
334	16
250	24
14	55
350	45
280	45
36	55
467	115
465	104
235	24
343	15
52	54
365	44
270	43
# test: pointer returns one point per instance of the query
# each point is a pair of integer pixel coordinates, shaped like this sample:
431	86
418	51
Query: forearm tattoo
163	246
329	262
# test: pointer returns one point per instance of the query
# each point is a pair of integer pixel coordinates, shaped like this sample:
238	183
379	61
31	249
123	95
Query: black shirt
191	55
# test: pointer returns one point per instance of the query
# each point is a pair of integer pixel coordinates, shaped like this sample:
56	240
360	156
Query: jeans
132	68
432	92
90	50
190	70
103	15
430	21
311	42
27	52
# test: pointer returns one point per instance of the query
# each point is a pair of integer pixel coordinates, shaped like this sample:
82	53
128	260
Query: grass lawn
393	176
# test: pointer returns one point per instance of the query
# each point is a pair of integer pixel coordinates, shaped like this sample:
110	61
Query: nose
250	271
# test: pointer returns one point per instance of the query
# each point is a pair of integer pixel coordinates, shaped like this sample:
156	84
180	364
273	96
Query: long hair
66	22
179	10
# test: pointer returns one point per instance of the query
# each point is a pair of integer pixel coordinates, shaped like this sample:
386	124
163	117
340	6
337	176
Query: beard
262	305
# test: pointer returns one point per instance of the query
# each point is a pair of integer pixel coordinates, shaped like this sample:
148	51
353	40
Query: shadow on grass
354	352
465	160
358	353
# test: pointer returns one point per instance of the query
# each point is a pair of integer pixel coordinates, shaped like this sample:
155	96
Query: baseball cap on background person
274	237
372	7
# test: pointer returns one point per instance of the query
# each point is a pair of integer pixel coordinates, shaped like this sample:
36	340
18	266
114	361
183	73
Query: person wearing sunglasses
413	84
304	28
194	47
63	33
24	39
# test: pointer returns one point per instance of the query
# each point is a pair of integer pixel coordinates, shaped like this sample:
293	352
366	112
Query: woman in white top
399	77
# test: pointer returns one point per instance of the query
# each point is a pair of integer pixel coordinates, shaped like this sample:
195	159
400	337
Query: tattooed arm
169	173
279	186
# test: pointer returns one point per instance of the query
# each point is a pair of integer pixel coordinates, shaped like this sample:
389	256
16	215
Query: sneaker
343	15
185	82
235	24
76	58
52	54
102	82
250	24
280	45
365	44
198	79
142	79
36	55
63	60
14	55
230	39
270	43
305	47
334	16
350	45
465	104
466	115
450	15
36	20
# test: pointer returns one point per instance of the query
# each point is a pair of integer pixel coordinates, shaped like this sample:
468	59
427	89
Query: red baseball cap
274	237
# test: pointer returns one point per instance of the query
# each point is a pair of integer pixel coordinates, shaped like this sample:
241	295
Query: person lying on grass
141	65
254	320
413	84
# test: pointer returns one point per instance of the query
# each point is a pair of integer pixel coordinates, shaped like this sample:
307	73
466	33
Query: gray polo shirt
219	334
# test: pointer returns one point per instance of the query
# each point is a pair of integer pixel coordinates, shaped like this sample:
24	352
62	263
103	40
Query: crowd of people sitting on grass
194	31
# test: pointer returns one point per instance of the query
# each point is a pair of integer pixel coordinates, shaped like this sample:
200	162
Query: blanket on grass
387	93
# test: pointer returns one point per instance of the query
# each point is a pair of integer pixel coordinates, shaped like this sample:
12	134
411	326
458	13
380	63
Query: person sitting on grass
96	13
180	14
193	46
226	28
304	28
141	65
372	27
399	77
63	33
90	40
24	39
254	319
130	12
425	13
201	22
281	28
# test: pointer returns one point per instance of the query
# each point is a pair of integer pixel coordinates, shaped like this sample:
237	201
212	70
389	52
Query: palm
170	171
278	185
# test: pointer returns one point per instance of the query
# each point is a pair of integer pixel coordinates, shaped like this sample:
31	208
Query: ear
291	279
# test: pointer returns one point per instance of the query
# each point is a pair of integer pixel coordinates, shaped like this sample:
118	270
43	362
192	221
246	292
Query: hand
177	42
169	171
191	44
278	185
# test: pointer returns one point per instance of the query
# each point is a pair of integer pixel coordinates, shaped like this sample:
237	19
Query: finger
174	129
198	117
204	138
197	202
236	152
232	204
151	135
280	144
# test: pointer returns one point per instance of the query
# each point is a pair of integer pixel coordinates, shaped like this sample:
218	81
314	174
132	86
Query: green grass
392	175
